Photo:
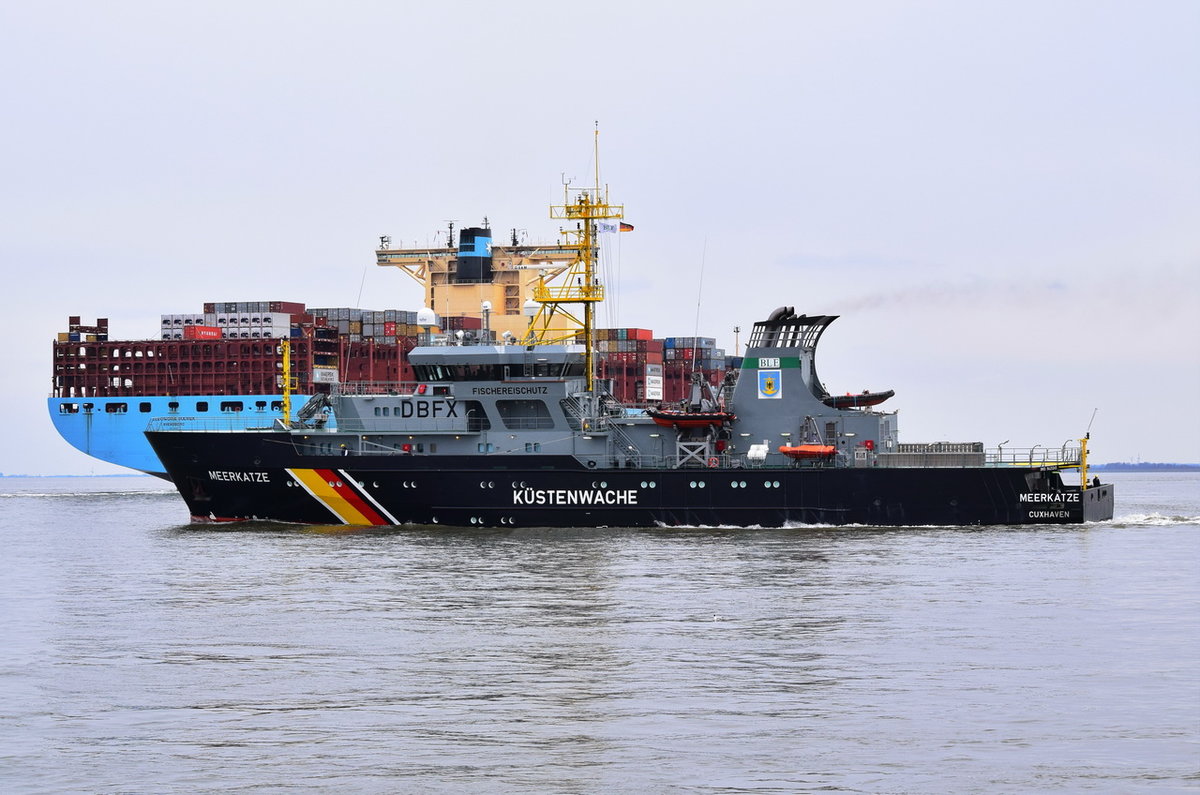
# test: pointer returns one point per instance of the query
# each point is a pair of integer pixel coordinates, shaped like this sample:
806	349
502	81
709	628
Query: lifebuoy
714	462
591	464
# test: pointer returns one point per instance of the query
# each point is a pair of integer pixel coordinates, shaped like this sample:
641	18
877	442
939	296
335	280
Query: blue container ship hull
113	429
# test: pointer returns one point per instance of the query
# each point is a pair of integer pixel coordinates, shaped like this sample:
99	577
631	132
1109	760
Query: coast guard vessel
517	430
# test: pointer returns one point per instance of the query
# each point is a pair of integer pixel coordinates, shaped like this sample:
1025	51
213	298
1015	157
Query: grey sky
1002	199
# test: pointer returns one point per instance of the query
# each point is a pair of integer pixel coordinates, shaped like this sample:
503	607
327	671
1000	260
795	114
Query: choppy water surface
142	654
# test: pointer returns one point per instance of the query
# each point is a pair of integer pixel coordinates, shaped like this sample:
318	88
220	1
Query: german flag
345	499
626	227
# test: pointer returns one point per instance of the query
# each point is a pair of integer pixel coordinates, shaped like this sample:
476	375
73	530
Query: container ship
517	425
225	363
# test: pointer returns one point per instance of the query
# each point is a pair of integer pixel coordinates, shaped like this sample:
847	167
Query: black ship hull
231	477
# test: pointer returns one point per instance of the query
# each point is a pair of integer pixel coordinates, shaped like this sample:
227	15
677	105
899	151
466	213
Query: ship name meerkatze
1039	496
239	477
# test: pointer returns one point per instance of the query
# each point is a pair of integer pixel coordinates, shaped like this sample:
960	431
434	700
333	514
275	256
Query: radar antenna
580	284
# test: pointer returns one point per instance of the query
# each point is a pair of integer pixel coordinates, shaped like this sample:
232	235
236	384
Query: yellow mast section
286	384
580	284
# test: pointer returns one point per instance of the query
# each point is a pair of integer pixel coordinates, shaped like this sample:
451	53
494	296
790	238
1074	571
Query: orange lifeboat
690	419
808	452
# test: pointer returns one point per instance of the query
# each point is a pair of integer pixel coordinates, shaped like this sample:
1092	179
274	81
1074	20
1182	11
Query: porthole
643	484
652	484
692	484
702	484
775	484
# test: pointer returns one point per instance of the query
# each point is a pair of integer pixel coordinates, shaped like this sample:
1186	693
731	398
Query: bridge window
458	372
116	408
144	407
231	405
201	405
524	414
477	418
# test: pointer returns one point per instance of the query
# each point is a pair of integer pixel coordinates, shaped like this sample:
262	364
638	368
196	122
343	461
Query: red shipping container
389	328
201	333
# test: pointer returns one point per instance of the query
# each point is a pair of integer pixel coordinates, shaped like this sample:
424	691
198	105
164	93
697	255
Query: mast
579	285
287	382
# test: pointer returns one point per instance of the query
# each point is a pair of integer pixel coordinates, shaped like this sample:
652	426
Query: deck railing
1064	457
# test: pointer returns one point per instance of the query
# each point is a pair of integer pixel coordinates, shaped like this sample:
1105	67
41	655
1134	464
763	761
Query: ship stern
1098	502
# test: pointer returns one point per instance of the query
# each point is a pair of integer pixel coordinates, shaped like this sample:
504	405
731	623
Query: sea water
145	654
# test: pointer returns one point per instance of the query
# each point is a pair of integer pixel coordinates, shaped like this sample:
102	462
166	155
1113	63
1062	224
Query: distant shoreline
1147	467
103	475
1119	466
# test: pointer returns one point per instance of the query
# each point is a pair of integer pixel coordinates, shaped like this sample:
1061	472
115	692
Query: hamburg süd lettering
575	497
239	477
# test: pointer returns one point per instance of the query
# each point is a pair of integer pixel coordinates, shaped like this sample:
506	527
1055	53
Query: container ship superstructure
226	362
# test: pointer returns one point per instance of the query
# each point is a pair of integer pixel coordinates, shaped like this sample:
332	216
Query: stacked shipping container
77	332
231	348
645	370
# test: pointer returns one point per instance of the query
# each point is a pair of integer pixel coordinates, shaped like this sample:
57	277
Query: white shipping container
654	387
324	375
